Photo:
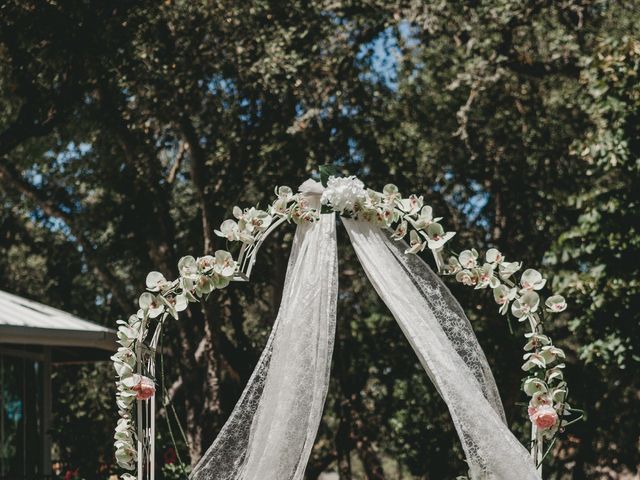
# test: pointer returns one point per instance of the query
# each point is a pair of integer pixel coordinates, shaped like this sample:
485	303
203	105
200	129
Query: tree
599	253
130	129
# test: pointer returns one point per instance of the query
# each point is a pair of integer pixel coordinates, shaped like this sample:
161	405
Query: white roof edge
24	321
57	337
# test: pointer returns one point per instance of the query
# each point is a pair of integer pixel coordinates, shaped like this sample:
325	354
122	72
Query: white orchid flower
560	393
125	405
411	205
181	302
145	300
126	335
126	455
151	304
503	295
506	269
486	278
175	304
532	280
425	218
245	236
130	381
124	401
229	229
540	398
310	194
467	277
156	282
124	355
533	360
220	281
525	305
533	385
188	285
415	243
133	321
469	258
436	237
124	360
123	428
279	207
400	231
536	340
205	264
555	373
204	285
188	268
494	256
122	369
256	220
551	353
125	444
126	394
244	223
156	307
453	265
390	193
371	215
284	193
224	264
390	189
302	212
375	199
385	215
556	303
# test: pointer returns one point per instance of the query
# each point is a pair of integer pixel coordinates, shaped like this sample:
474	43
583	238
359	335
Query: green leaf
327	171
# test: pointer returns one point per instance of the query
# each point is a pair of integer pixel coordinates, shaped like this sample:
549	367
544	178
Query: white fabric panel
443	340
271	431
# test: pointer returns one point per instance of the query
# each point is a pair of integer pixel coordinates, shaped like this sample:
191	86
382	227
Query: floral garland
199	277
163	298
544	382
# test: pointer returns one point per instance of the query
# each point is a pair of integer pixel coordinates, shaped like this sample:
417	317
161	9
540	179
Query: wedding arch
270	433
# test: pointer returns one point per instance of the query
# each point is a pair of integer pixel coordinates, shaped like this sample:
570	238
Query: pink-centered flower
145	388
544	416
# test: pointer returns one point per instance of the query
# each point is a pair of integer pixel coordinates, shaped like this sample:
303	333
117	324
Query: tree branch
175	168
201	180
12	178
30	121
144	163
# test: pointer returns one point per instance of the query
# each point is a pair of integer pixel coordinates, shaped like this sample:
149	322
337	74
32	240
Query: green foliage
129	129
83	408
598	257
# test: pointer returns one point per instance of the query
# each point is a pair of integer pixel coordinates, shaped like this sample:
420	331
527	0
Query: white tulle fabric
271	431
448	350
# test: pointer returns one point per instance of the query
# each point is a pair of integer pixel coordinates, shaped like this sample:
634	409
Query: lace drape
270	433
448	350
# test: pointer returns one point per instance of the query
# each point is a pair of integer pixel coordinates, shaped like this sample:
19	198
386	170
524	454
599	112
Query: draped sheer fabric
442	338
271	431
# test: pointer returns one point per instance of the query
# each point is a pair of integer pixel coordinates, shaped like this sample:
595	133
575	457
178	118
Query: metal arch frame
146	409
145	362
249	251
